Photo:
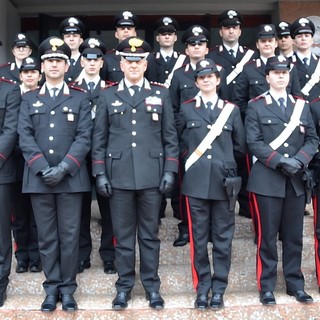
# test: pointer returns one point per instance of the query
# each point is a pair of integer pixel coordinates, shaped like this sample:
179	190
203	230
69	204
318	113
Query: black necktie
305	63
91	86
54	93
167	59
282	105
136	90
231	52
209	107
72	61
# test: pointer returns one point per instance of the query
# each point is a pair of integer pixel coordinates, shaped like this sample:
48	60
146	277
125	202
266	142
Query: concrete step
96	290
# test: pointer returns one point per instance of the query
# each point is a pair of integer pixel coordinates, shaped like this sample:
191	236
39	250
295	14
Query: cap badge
231	14
21	36
283	25
94	43
281	59
29	60
204	63
127	15
166	21
73	21
303	22
55	43
197	30
267	28
134	43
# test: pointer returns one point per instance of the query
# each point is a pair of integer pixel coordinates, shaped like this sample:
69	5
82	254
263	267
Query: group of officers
140	127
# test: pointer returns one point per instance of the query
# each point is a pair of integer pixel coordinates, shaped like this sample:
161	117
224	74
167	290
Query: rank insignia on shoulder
116	103
37	104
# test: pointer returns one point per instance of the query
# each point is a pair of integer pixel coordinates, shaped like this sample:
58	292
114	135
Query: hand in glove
43	171
103	185
290	166
167	182
54	175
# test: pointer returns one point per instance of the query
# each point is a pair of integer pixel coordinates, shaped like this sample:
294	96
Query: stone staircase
96	289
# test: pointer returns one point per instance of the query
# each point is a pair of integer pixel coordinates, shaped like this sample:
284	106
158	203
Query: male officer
285	42
125	24
183	88
232	57
24	227
55	135
135	156
21	48
92	51
167	59
209	202
252	80
9	109
72	30
281	134
308	64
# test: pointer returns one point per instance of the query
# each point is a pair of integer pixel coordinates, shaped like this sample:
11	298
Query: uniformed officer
196	39
209	180
24	227
252	80
135	156
55	136
308	64
281	134
92	51
125	24
167	59
21	48
285	42
72	30
9	110
232	57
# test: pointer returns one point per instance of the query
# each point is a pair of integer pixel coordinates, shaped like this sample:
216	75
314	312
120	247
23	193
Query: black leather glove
167	182
54	175
290	166
43	171
103	185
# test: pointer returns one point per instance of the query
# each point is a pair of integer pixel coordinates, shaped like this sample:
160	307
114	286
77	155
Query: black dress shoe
3	298
35	266
267	298
83	265
155	300
120	302
300	296
22	266
68	302
201	302
49	304
216	301
109	267
182	240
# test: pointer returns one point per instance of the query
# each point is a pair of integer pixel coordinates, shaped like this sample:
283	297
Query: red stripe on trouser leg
193	269
258	223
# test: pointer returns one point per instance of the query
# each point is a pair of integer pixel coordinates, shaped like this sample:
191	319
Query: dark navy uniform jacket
10	71
204	179
264	122
134	142
10	98
54	131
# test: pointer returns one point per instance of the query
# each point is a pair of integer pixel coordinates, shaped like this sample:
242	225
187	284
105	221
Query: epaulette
297	97
230	102
263	95
158	84
77	88
5	64
111	51
7	80
109	85
190	100
72	84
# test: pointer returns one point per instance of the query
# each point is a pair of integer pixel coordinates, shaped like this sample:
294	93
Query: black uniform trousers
24	227
223	223
58	221
275	213
136	212
5	235
316	207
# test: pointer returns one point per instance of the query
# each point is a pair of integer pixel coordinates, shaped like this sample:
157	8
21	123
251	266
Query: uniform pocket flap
269	120
193	124
156	153
117	109
114	154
